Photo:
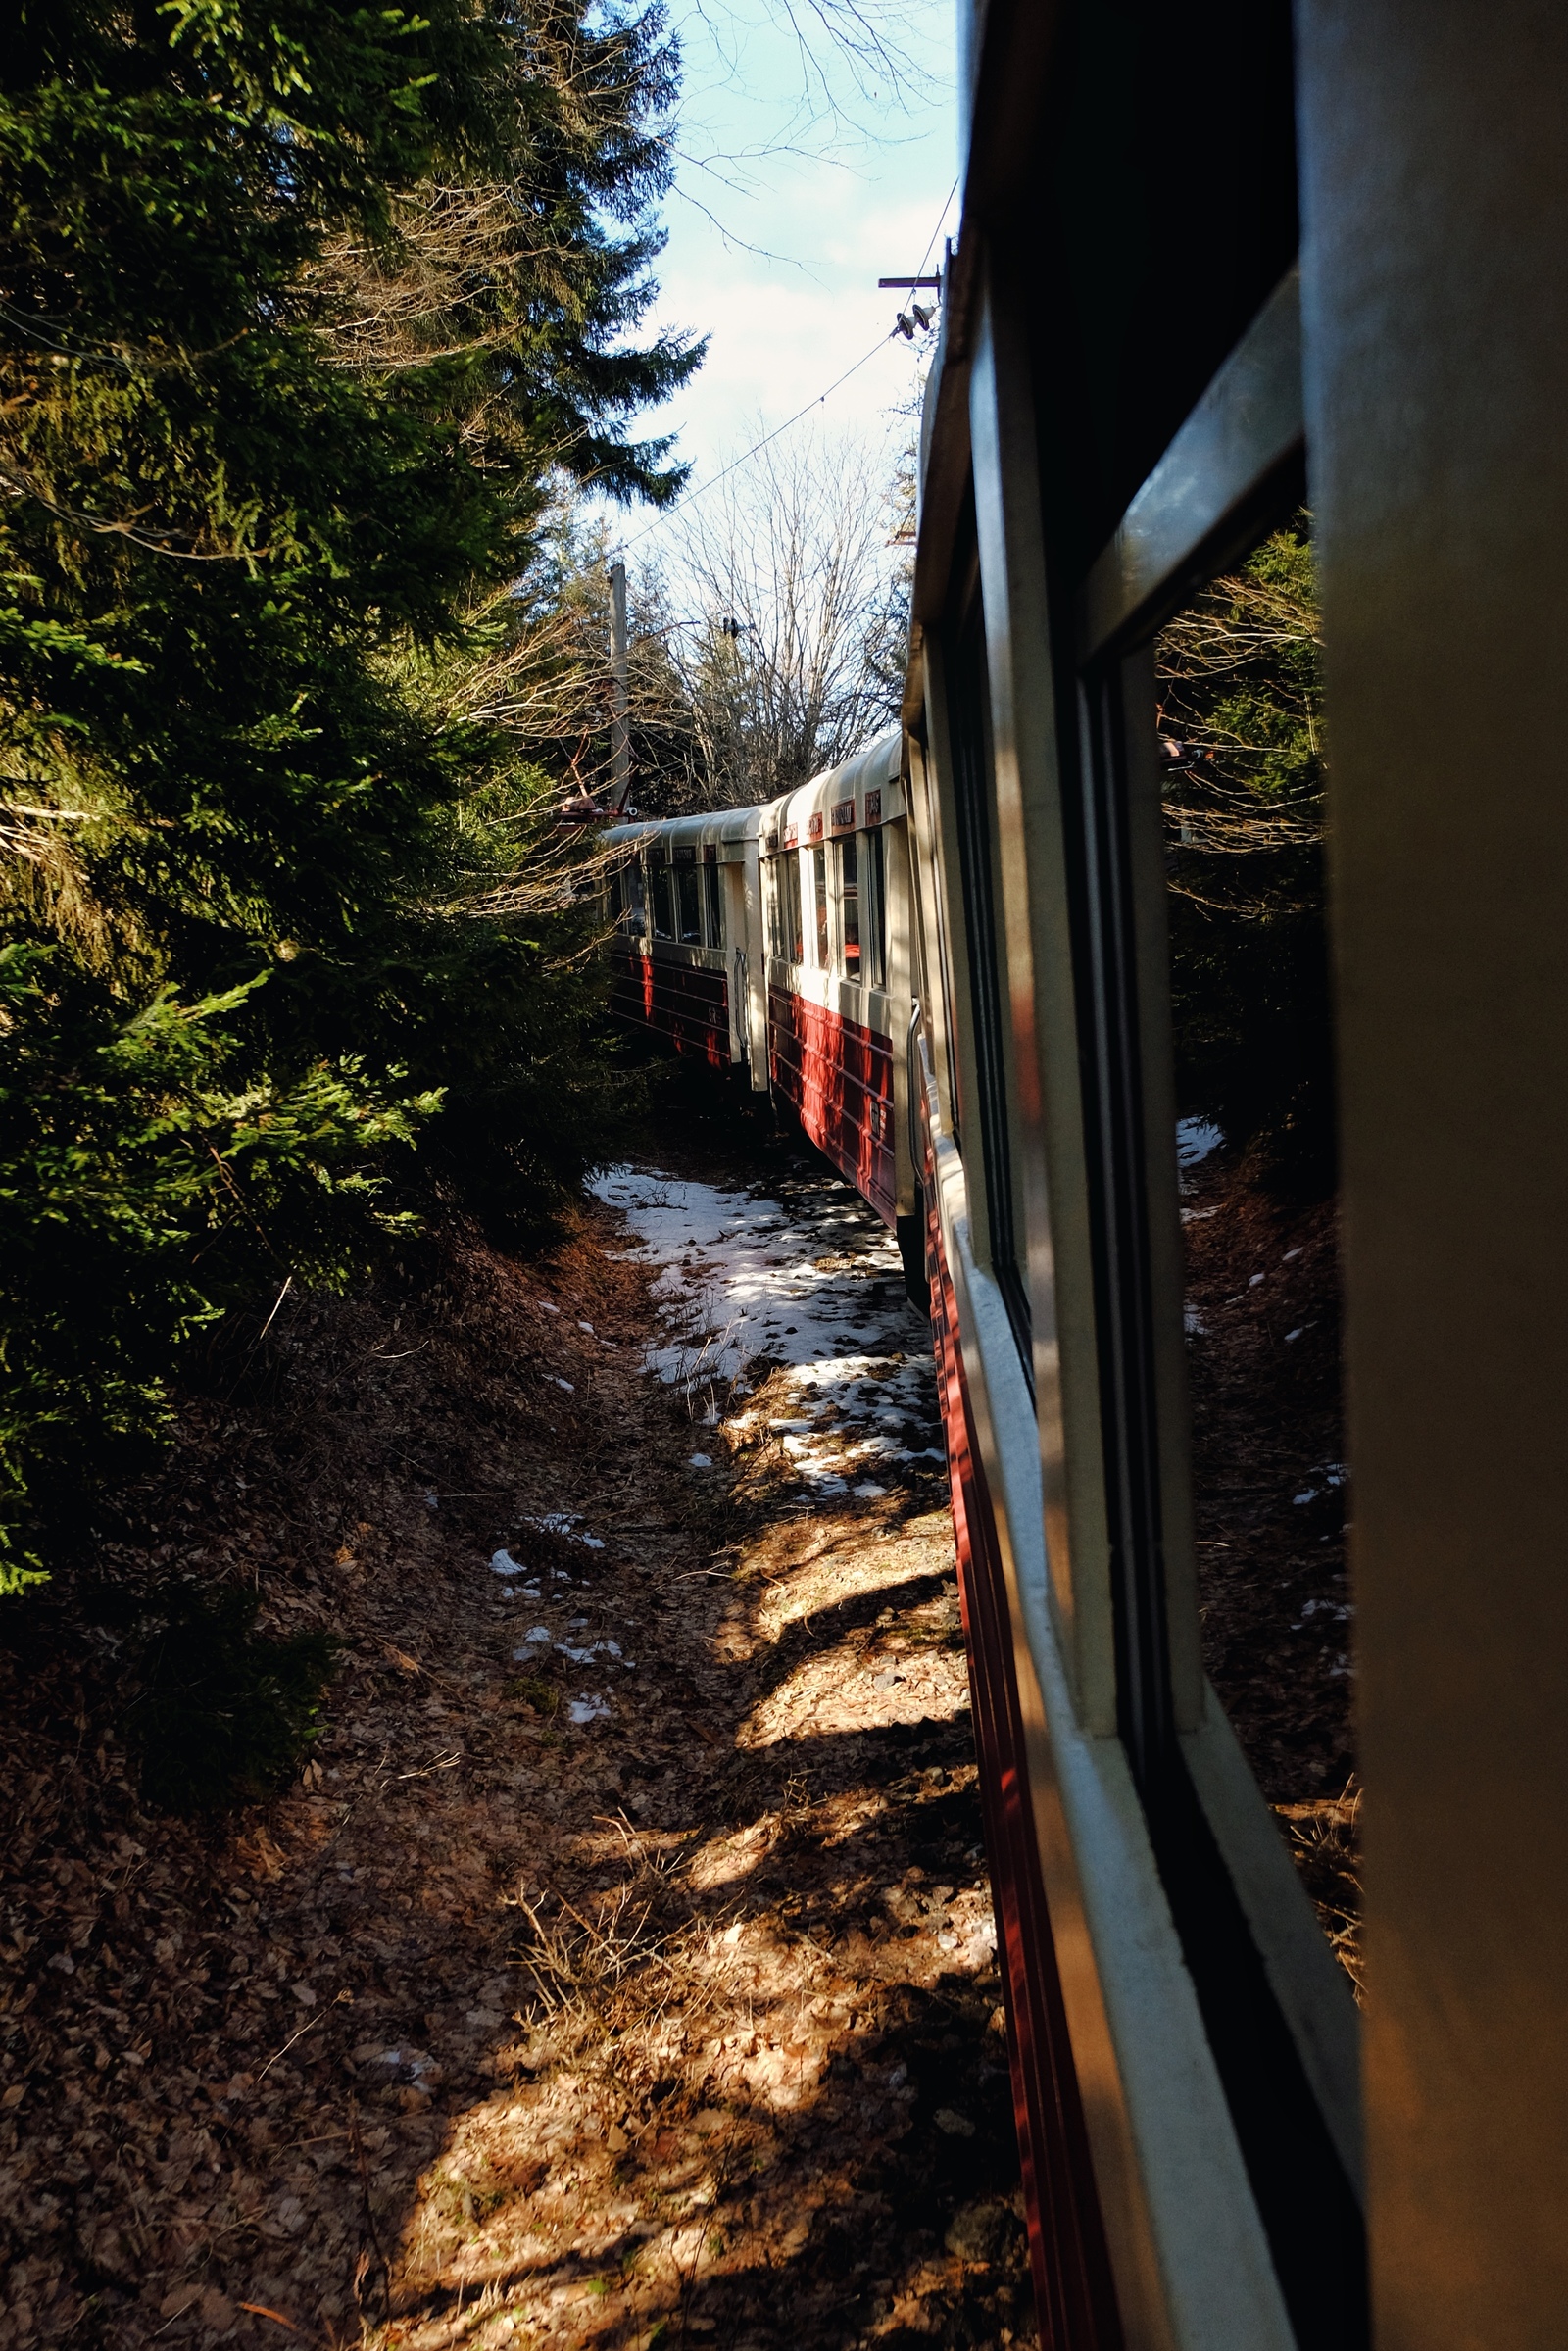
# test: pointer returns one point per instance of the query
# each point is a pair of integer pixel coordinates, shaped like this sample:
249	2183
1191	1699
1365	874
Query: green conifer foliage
303	308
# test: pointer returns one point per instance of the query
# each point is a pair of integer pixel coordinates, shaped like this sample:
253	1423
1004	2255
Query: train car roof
724	828
877	767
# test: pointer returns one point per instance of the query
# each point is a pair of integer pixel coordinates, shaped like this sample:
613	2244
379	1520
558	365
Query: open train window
848	904
873	909
662	894
714	905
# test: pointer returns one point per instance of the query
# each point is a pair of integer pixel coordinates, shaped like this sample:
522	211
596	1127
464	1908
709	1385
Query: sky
800	182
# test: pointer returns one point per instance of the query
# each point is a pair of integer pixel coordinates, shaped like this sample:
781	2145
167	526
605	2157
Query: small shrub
223	1714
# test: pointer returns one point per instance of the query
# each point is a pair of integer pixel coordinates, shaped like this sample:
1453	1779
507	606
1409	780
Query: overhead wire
689	497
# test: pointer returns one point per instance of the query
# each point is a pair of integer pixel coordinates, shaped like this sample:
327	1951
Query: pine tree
303	308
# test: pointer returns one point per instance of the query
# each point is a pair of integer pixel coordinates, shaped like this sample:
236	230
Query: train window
974	809
664	901
789	931
688	907
1242	799
818	858
873	910
626	896
714	895
848	904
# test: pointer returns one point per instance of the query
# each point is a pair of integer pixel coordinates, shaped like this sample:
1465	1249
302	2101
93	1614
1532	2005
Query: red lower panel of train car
686	1001
839	1076
1073	2290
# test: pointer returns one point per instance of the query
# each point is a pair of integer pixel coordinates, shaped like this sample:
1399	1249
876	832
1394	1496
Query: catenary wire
758	447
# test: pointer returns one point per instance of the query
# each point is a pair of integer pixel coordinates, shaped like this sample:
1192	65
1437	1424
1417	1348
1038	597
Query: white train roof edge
877	768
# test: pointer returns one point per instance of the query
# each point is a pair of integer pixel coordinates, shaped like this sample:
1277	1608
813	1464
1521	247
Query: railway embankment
620	1970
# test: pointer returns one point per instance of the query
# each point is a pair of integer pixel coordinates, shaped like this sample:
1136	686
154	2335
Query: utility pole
620	731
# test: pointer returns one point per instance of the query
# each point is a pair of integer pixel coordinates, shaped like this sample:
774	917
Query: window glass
850	906
820	897
990	1101
1243	780
714	892
689	906
664	896
791	930
873	910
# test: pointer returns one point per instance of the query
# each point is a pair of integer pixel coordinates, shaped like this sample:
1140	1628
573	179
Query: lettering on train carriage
814	828
709	852
771	842
792	836
683	852
873	808
844	815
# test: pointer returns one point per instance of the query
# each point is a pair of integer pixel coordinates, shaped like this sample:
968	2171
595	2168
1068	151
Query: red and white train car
775	940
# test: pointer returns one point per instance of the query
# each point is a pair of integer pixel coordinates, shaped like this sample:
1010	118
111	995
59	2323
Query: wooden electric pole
619	730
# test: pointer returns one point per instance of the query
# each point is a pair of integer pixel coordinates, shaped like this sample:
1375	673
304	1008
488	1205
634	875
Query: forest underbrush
616	1968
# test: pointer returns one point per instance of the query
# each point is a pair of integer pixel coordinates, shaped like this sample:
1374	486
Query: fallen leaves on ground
678	2022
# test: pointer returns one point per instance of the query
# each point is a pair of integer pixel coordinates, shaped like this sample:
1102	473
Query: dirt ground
1270	1494
675	2023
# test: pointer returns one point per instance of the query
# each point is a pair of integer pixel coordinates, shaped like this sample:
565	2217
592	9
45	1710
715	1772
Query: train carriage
1212	261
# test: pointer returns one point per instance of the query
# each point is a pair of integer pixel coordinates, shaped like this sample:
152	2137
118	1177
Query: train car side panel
688	1002
1074	2297
839	1078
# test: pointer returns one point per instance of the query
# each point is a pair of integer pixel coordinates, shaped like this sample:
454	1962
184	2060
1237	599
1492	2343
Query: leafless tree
796	615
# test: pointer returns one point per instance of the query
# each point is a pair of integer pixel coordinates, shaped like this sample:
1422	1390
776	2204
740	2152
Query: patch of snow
587	1710
815	1291
869	1490
532	1639
548	1307
1290	1335
504	1564
1195	1138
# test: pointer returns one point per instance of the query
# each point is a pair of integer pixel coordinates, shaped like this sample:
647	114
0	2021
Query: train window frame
873	866
847	875
787	902
661	900
688	904
974	844
629	898
712	902
821	927
1083	875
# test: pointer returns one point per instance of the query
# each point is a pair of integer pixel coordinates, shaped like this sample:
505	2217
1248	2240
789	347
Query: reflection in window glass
663	902
873	915
819	895
688	905
1242	785
712	892
849	903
